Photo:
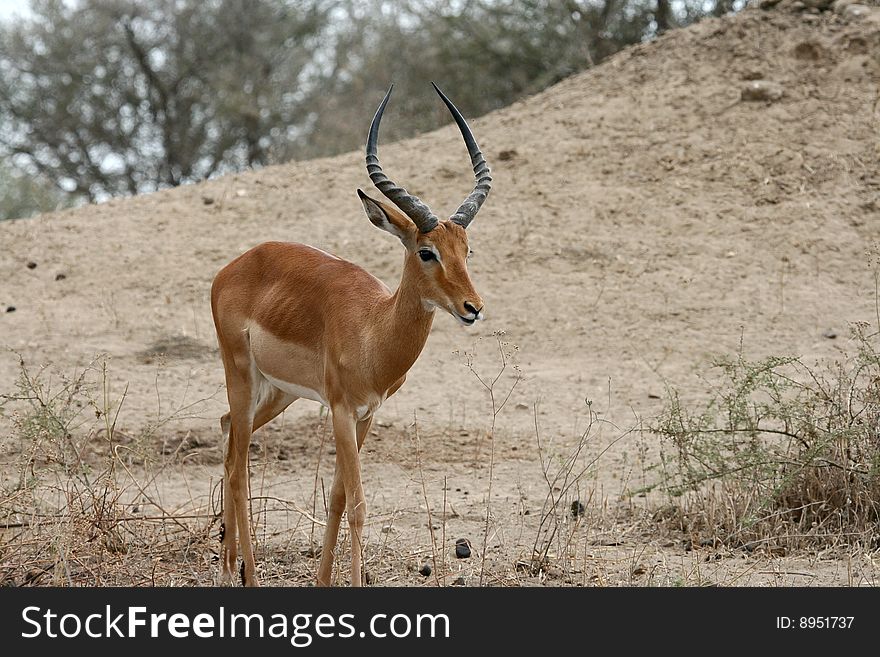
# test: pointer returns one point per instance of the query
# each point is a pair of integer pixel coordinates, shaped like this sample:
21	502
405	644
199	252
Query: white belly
294	389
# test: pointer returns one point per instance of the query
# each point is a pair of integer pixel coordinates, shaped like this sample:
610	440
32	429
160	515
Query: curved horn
412	206
468	210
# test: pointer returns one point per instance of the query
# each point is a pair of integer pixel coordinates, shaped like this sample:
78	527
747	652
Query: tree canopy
101	98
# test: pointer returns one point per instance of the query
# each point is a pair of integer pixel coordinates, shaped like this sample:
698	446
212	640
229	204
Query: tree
663	16
110	97
485	54
22	195
113	97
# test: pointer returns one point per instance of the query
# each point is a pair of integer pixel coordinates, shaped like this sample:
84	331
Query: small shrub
784	455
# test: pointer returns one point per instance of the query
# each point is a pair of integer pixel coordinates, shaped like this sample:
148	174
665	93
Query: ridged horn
471	205
411	206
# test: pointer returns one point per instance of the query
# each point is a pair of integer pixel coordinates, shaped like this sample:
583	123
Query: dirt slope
642	218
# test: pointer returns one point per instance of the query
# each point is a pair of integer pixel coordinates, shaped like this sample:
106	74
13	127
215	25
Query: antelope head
437	251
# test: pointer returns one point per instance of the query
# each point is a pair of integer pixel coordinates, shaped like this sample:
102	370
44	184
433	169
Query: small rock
840	5
459	581
855	12
577	508
808	51
462	548
758	90
829	333
653	395
387	529
507	155
10	309
32	265
522	407
60	277
425	570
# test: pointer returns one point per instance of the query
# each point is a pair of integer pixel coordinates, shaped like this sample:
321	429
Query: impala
295	322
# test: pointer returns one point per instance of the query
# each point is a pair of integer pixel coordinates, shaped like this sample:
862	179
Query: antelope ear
389	219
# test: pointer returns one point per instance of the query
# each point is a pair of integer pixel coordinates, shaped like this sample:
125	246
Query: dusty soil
643	218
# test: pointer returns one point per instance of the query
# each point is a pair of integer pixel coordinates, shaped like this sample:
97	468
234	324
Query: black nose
469	306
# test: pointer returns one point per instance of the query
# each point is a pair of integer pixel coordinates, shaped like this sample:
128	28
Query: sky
12	8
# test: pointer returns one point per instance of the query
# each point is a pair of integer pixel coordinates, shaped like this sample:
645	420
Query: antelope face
437	251
444	282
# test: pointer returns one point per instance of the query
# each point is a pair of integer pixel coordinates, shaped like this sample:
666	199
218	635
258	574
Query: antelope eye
426	255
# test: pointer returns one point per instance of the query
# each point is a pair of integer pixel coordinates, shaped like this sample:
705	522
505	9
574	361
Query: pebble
60	277
32	265
10	309
425	570
852	12
829	333
761	90
841	5
462	548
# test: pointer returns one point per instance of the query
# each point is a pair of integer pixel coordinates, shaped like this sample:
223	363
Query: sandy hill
643	217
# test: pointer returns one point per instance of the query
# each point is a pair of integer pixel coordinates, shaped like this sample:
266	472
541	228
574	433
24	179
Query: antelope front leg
349	468
337	506
331	532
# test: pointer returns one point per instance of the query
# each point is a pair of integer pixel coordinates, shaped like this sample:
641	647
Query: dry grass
72	509
784	458
83	503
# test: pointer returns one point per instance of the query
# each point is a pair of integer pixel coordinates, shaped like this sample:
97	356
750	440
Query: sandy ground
642	219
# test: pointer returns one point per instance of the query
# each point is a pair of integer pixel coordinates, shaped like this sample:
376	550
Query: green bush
784	455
